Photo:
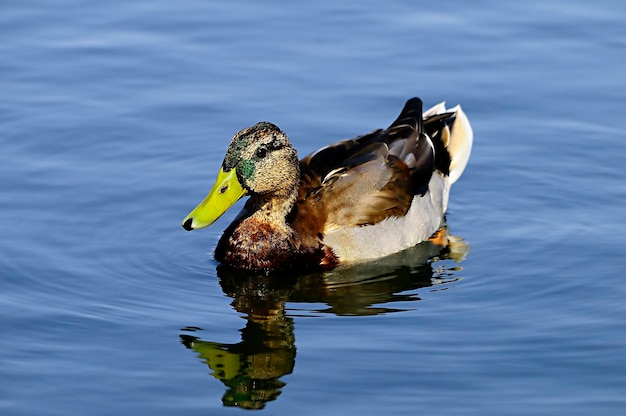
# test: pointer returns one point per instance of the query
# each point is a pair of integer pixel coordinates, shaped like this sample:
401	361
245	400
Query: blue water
114	118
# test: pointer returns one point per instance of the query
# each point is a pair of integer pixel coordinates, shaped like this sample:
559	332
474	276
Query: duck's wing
364	180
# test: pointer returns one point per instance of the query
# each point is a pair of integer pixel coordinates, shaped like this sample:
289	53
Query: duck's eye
261	152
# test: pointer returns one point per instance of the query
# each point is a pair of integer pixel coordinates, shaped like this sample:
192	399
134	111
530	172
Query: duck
350	202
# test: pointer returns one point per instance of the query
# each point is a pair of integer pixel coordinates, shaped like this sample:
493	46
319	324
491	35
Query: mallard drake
352	201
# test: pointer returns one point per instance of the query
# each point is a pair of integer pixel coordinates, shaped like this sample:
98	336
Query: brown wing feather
364	180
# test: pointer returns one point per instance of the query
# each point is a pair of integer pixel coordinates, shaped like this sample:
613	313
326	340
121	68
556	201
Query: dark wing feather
438	128
369	178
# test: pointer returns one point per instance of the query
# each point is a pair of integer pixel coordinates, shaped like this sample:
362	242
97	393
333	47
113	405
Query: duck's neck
274	208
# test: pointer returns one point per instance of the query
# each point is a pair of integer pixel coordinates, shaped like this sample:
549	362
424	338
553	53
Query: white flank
358	244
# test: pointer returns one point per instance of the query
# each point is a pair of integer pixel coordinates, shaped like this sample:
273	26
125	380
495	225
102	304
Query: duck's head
260	160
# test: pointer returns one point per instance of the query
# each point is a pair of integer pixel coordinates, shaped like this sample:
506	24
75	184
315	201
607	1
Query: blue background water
114	117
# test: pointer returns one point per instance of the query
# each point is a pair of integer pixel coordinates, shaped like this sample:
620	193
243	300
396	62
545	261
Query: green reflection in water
251	369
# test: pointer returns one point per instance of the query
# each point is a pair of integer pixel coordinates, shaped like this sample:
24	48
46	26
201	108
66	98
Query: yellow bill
225	192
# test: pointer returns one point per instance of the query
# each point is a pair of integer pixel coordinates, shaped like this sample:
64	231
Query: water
114	118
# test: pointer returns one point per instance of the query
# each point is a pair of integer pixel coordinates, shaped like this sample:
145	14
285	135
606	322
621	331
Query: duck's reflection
252	368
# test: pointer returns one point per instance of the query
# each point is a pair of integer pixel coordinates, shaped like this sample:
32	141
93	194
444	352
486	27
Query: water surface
114	119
